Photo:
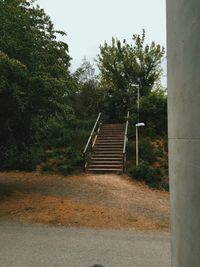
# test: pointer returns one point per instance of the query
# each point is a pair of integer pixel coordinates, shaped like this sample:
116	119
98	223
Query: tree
13	100
87	94
153	111
122	65
34	69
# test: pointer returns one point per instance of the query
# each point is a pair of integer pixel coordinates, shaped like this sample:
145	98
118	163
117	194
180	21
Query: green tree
13	100
153	111
34	70
122	65
88	96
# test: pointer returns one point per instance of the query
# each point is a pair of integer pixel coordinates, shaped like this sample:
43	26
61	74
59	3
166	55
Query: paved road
40	246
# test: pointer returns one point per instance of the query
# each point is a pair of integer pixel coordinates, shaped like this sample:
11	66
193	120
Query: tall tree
122	65
87	95
34	69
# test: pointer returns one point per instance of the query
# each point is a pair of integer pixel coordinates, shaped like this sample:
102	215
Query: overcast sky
88	23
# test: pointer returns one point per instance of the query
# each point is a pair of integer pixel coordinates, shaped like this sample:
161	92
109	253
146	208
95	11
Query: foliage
46	112
122	66
20	157
34	71
147	173
59	149
152	148
13	100
147	152
87	98
64	145
153	111
153	159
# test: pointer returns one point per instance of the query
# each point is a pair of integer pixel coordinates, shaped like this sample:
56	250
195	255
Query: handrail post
125	142
90	139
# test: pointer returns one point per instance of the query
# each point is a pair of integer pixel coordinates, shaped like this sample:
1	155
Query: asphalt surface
41	246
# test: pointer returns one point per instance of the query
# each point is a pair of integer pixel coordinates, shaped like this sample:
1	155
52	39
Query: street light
139	124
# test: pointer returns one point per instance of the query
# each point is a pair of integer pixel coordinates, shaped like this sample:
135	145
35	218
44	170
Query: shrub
144	172
147	152
20	158
59	149
130	150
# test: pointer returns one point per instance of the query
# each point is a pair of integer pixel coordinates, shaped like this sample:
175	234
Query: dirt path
100	201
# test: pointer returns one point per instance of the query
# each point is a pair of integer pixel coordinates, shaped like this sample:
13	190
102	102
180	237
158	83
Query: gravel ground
87	200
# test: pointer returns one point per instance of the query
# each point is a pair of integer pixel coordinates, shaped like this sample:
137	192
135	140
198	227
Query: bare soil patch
86	200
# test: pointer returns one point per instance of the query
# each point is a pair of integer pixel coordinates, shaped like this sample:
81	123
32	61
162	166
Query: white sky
88	23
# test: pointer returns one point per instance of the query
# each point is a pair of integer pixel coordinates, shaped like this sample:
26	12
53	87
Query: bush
63	160
147	153
130	150
20	158
58	149
151	176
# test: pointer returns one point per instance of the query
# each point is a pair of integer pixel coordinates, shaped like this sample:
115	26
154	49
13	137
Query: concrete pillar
183	29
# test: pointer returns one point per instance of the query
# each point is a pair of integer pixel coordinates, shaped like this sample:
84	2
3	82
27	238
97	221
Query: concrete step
104	170
114	138
111	131
107	151
105	162
107	154
106	142
109	141
109	146
107	158
112	125
105	166
111	137
112	128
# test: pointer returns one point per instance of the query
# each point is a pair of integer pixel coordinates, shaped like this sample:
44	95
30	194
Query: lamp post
138	97
140	124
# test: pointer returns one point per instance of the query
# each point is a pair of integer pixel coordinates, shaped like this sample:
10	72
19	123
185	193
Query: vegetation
47	112
122	66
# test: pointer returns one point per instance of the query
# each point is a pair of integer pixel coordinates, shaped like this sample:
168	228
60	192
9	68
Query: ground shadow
5	191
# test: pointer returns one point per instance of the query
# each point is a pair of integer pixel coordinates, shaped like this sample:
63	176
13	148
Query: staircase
107	152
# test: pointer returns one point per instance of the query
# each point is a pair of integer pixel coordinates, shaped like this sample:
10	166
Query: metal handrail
125	134
91	135
125	141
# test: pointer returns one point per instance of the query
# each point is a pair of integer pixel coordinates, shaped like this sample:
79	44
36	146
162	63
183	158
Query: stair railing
125	142
92	139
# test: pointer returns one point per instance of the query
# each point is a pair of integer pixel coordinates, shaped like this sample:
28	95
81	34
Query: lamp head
135	85
139	124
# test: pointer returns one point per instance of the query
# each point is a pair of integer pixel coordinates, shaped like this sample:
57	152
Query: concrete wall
183	29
